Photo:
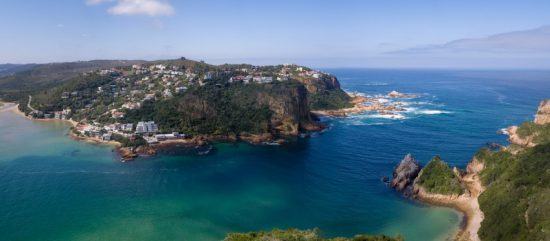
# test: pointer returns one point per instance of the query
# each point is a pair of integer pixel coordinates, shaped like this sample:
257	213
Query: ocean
54	188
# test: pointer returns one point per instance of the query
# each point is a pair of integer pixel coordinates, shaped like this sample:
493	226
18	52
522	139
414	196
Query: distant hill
9	69
33	77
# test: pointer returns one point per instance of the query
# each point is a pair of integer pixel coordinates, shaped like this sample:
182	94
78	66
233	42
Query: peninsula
140	106
503	193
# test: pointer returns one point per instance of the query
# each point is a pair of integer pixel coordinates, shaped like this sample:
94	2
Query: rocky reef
404	175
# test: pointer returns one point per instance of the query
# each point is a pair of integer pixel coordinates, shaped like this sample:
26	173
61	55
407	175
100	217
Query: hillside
179	95
438	177
510	187
15	79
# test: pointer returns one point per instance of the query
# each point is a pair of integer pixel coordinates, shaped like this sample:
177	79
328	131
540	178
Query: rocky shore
542	117
405	180
363	104
466	203
405	174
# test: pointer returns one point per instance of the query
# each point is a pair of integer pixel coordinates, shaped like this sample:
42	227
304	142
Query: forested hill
181	95
36	77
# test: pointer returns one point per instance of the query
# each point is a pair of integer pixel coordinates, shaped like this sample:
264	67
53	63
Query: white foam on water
375	84
504	131
419	111
393	116
433	112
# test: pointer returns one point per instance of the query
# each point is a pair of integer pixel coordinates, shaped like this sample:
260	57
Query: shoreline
359	106
130	153
467	203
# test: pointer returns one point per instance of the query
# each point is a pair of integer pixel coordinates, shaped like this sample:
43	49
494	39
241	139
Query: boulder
404	175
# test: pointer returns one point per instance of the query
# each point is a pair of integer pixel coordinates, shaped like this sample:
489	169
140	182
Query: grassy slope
299	235
516	203
438	177
330	100
541	133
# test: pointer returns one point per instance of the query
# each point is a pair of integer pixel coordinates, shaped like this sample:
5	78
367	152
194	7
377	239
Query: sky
494	34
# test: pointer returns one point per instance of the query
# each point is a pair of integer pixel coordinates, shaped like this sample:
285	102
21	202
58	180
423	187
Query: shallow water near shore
54	188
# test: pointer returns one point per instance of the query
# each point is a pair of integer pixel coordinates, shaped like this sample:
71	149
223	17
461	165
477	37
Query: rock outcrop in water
543	113
405	174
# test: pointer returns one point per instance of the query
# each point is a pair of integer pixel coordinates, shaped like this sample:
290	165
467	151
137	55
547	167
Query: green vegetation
179	95
330	100
300	235
212	110
540	133
516	203
438	177
44	76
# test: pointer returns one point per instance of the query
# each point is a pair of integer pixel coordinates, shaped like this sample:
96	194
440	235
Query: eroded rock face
404	175
543	113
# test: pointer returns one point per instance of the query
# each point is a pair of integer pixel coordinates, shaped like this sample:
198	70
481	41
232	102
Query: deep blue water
53	188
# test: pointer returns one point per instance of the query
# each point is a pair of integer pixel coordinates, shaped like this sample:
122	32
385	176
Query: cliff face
323	83
277	109
405	174
290	109
543	113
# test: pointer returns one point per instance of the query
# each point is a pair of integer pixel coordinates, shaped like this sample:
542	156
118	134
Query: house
127	127
131	105
167	93
58	115
149	97
117	114
181	89
144	127
238	78
172	136
106	137
66	112
151	139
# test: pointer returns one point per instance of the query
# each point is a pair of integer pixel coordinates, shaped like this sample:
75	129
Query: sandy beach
466	203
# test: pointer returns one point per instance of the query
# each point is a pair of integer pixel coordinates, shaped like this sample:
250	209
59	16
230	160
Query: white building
146	127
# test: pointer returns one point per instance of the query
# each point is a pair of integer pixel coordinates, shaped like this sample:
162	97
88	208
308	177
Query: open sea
54	188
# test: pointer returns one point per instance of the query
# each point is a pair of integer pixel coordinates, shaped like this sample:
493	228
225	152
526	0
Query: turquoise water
54	188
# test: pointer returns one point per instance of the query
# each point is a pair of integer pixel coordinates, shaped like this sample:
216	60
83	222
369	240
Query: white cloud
94	2
533	41
137	7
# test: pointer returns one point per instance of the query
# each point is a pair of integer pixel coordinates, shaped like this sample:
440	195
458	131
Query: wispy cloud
533	41
137	7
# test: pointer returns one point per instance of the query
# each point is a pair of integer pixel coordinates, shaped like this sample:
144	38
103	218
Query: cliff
405	174
543	113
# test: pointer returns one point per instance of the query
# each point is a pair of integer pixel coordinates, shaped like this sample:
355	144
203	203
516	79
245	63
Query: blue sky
344	33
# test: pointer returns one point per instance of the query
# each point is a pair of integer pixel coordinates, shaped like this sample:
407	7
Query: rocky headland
465	190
